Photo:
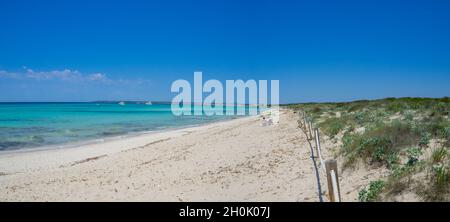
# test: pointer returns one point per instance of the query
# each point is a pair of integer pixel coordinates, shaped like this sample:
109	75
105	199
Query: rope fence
328	167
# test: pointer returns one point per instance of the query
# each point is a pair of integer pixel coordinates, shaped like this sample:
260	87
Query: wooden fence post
331	165
317	139
302	121
305	125
310	130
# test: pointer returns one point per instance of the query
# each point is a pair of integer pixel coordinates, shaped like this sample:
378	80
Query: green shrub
438	155
356	107
392	160
400	133
403	171
371	193
332	126
400	178
361	118
441	108
383	140
436	126
380	143
379	148
395	107
441	175
446	136
316	109
438	187
413	155
424	139
446	132
409	116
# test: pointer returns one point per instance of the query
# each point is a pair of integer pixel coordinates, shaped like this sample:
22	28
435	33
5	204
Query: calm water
27	125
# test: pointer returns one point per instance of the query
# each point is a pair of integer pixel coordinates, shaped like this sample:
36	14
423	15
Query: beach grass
408	136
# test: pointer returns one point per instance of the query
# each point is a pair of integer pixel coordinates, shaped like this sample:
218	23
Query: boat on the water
122	103
148	103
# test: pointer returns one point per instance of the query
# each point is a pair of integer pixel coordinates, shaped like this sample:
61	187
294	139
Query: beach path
236	160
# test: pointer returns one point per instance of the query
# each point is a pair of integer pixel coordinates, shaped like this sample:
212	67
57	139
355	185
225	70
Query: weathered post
305	125
334	192
317	139
310	130
301	120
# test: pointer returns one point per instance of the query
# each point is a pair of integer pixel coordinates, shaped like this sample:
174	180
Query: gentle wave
29	125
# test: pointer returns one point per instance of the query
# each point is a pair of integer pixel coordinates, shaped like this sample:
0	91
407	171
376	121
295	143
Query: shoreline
92	148
92	141
237	160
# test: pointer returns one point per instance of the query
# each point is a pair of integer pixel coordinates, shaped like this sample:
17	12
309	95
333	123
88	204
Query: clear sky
319	50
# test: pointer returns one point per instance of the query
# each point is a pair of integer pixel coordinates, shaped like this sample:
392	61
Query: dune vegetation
408	136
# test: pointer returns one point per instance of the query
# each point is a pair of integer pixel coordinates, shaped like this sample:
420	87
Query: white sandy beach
236	160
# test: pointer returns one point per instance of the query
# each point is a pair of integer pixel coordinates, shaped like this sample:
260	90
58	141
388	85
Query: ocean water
32	125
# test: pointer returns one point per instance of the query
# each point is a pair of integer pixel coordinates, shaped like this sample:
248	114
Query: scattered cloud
97	77
27	84
10	75
66	75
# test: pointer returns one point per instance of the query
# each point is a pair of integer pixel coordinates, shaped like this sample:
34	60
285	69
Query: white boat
148	103
122	103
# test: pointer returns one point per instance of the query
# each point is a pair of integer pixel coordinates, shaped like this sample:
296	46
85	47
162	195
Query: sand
235	160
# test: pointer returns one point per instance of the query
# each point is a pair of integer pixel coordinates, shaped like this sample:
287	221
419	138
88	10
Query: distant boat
122	103
148	103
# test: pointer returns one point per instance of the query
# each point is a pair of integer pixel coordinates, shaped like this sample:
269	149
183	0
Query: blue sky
319	50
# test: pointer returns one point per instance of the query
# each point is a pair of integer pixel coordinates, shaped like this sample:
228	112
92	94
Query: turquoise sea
29	125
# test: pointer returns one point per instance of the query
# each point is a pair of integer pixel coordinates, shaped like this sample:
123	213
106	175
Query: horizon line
169	102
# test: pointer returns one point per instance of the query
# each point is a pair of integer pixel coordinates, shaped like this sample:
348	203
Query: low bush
383	132
380	144
413	156
439	155
372	192
332	126
441	177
